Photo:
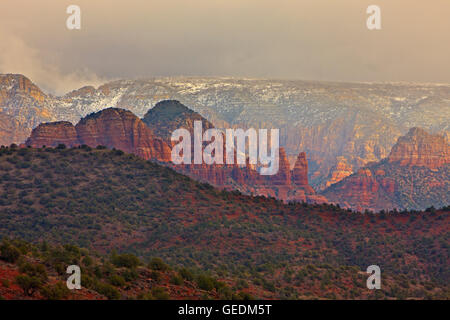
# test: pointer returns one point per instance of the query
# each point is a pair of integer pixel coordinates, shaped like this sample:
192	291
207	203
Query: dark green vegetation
104	199
423	193
39	272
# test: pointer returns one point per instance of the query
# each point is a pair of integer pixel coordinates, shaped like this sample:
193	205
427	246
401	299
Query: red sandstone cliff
283	176
287	185
122	130
52	134
114	128
341	170
414	176
362	191
419	148
300	172
301	190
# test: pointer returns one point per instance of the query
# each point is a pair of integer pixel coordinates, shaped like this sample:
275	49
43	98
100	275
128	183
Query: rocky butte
121	129
418	148
172	115
415	175
112	127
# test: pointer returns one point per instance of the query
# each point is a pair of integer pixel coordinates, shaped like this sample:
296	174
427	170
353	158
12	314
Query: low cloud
16	56
310	40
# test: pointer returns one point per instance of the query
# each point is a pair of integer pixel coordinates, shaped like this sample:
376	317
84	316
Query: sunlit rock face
419	148
416	175
114	128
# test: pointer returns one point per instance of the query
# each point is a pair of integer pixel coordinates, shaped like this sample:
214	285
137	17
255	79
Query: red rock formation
283	176
121	129
52	134
414	176
114	128
266	192
359	190
419	148
300	172
249	181
338	172
300	190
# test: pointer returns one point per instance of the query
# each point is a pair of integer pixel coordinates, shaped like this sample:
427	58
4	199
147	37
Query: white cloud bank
16	56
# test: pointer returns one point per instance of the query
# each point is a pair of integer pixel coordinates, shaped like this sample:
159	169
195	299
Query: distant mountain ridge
332	122
22	107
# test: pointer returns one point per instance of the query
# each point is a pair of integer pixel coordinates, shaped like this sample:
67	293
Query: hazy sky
301	39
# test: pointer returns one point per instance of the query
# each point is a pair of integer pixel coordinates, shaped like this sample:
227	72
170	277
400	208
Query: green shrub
126	260
108	291
87	261
9	253
176	280
88	281
34	270
205	282
156	276
241	284
160	293
56	292
145	296
245	296
28	284
117	280
158	264
130	275
225	293
186	274
269	286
